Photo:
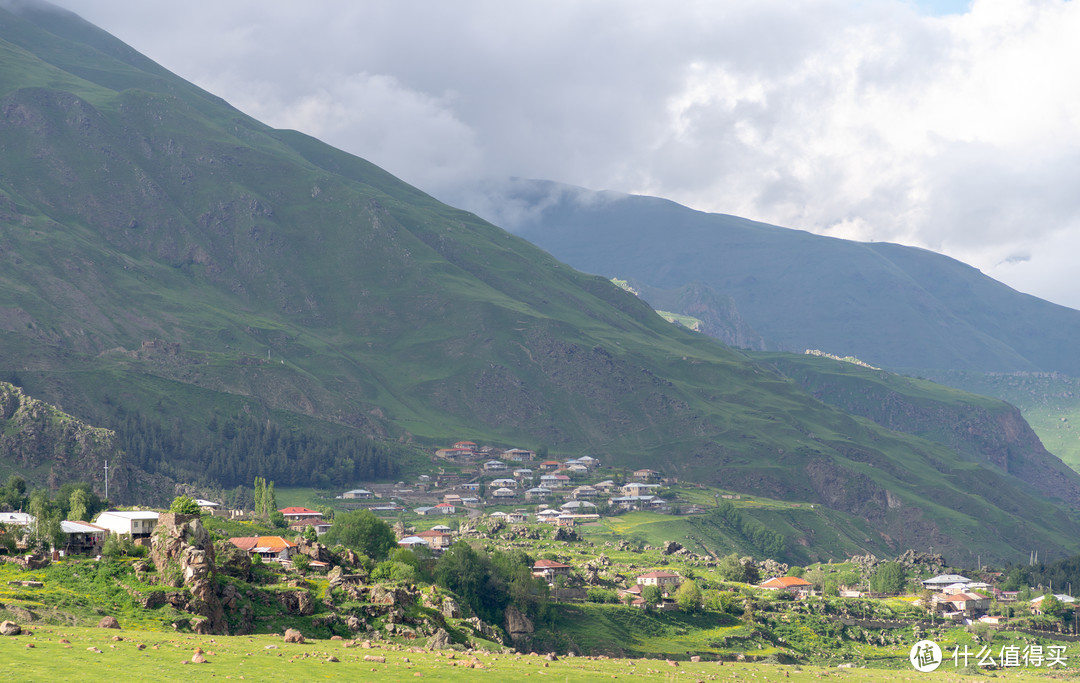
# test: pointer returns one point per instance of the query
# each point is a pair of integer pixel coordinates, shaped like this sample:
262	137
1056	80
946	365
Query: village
486	493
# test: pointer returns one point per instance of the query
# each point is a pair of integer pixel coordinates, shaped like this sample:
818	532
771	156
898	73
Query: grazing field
53	653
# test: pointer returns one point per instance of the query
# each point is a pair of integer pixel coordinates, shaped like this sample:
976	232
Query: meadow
50	653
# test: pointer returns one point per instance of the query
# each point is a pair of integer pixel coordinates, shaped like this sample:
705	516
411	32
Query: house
446	508
565	519
494	466
549	515
517	517
293	514
549	569
578	506
549	465
577	468
793	584
207	505
452	498
470	502
499	516
436	539
358	493
454	453
664	580
269	548
518	454
538	493
427	510
504	483
466	445
970	604
23	519
413	542
639	489
1036	604
606	486
646	475
321	526
81	538
942	581
630	502
134	523
589	461
504	493
523	473
585	491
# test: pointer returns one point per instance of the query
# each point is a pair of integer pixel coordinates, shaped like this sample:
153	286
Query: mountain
890	305
236	300
50	446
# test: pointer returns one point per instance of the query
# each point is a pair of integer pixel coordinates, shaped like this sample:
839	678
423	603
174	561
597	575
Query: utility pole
106	480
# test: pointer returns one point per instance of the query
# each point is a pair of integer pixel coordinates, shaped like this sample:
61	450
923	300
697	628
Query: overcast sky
943	124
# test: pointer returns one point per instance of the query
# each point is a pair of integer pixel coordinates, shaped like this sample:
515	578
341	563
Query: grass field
44	656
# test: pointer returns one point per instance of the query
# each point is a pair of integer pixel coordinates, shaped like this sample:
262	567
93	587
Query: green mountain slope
893	306
232	298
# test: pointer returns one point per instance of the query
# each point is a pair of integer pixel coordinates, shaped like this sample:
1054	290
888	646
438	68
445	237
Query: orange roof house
548	568
787	583
273	548
295	513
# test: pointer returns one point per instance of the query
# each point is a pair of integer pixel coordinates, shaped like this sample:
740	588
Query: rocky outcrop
183	553
518	626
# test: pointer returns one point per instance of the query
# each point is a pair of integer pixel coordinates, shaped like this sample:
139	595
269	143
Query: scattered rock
198	658
108	622
10	628
439	641
332	658
293	636
93	649
380	659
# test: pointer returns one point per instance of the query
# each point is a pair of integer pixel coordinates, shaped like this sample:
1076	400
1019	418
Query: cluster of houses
468	451
84	538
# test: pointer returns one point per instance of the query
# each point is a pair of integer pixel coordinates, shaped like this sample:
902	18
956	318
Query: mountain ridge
167	261
893	306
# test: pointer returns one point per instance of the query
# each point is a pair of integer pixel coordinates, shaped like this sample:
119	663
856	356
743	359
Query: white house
135	523
81	537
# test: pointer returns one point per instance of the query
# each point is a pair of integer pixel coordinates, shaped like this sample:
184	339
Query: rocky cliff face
183	553
35	435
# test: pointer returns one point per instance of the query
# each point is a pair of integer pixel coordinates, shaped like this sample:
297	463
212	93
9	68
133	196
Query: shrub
184	505
602	596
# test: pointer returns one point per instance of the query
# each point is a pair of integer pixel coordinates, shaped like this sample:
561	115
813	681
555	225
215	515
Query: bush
301	562
184	505
602	596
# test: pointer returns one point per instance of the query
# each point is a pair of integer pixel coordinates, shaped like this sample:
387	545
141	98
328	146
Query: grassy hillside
1049	401
890	305
172	264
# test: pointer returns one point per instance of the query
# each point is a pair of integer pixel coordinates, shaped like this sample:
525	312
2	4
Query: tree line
233	451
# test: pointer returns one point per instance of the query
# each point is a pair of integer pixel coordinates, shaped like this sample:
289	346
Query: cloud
873	120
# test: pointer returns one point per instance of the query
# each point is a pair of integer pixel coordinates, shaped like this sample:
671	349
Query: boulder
450	609
293	636
439	641
518	625
9	628
671	547
108	622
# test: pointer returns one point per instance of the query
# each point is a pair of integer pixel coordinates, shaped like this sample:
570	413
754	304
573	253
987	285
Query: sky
943	124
